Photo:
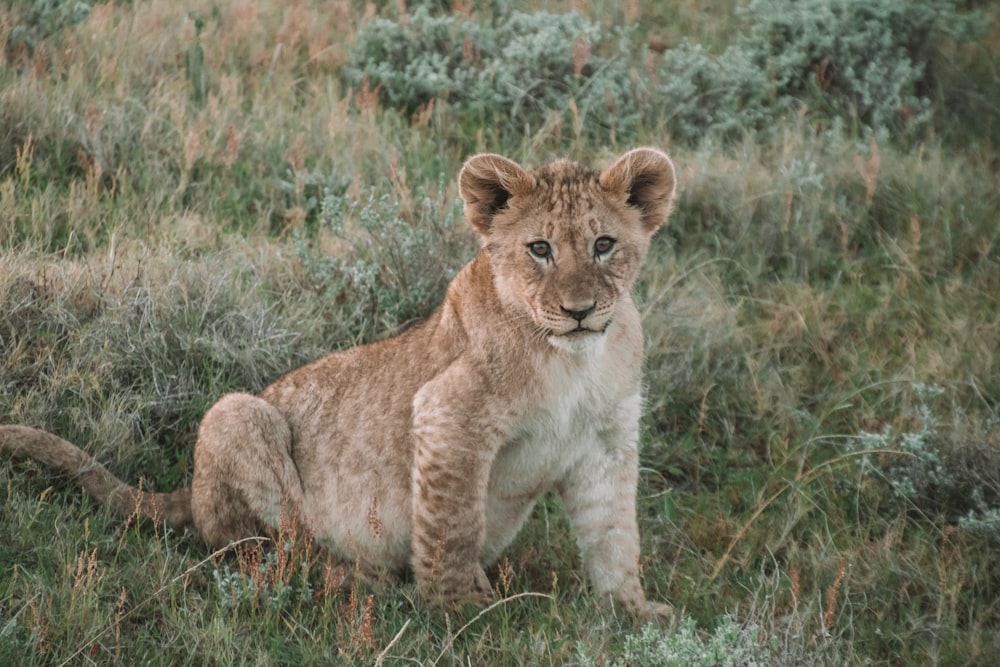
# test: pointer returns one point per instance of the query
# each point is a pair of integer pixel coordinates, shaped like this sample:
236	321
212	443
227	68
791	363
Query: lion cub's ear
646	177
485	184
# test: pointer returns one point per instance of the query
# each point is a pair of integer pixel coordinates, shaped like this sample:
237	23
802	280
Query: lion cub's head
566	241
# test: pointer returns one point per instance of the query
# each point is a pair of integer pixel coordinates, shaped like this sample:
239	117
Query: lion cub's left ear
645	176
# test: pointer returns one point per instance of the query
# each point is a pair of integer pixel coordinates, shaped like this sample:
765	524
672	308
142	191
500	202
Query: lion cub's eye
540	249
603	245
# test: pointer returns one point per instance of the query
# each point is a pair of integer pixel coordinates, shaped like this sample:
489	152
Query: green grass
195	198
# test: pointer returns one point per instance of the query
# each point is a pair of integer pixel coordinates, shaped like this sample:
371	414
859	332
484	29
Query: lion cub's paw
645	611
461	590
469	602
655	612
478	594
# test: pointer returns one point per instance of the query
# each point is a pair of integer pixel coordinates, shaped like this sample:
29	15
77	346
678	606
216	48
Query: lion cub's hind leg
244	475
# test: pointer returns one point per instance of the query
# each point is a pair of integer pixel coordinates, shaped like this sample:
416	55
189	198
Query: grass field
198	196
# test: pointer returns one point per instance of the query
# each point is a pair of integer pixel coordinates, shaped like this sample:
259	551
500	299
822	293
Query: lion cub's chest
580	411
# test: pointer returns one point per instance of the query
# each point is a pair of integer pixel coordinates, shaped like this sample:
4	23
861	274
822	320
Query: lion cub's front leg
454	450
599	496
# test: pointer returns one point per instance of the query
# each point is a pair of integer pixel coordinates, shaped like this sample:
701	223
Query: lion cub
431	448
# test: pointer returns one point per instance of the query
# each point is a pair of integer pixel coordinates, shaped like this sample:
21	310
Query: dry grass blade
208	559
385	651
482	613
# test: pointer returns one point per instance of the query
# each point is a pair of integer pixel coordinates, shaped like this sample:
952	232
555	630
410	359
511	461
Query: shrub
854	59
730	644
389	270
950	471
521	71
43	18
698	92
869	63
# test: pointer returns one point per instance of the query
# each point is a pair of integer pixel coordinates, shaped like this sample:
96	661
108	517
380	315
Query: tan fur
430	449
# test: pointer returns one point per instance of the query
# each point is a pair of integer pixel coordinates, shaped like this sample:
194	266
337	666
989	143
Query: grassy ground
198	196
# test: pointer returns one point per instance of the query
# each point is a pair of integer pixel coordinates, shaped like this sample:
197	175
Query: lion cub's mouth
577	340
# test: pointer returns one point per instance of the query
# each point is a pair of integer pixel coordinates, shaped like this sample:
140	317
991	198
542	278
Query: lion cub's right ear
485	184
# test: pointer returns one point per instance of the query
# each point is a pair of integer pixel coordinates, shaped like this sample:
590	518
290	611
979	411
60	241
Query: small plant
256	581
286	572
984	524
194	62
731	644
940	470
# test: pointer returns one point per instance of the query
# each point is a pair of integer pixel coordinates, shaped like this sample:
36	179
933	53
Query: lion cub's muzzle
576	318
578	325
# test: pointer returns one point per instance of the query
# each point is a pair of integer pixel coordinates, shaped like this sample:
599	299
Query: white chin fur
579	343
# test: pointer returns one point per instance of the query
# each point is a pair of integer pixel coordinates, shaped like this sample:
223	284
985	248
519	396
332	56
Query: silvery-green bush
394	268
939	469
867	61
515	73
44	18
730	644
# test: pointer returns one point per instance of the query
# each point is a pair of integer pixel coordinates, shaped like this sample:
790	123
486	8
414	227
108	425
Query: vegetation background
197	196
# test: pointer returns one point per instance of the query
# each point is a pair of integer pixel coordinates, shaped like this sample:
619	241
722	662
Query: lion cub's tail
174	508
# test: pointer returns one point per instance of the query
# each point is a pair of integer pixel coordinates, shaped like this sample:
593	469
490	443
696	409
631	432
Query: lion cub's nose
577	311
